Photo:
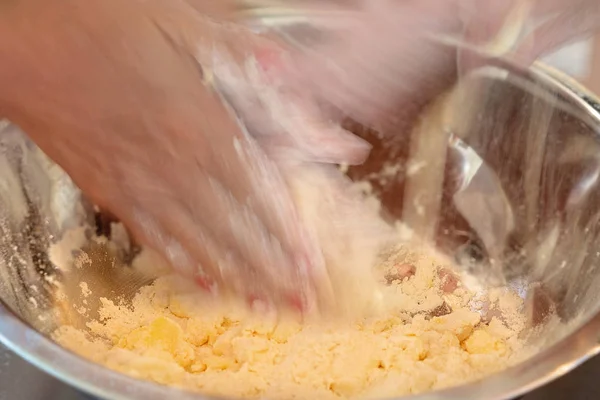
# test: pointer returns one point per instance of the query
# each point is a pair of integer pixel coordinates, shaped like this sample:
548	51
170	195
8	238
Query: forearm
43	25
7	50
17	27
42	41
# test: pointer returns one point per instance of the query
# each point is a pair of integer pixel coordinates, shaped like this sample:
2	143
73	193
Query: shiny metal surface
519	198
20	380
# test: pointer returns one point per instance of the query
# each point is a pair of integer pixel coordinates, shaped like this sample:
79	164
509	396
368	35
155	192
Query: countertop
20	381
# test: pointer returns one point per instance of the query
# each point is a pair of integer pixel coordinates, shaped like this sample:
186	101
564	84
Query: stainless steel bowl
534	134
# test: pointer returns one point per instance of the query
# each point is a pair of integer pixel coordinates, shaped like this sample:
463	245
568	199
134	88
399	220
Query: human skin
383	64
115	92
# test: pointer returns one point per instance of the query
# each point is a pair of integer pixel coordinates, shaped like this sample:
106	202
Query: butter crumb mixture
429	336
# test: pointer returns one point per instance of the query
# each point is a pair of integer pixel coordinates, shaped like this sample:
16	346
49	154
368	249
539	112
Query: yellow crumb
426	339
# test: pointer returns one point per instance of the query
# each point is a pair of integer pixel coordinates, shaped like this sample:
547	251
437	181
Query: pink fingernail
251	298
296	302
204	282
259	303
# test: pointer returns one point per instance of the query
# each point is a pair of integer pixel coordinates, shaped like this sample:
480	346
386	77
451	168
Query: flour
85	290
61	253
426	336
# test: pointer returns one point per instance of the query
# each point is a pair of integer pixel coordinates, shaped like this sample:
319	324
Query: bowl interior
518	196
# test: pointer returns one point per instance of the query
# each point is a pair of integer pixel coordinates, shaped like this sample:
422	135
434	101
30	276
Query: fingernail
259	304
296	302
205	283
254	297
354	149
336	145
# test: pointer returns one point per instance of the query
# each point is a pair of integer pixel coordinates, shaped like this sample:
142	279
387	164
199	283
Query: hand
383	61
118	93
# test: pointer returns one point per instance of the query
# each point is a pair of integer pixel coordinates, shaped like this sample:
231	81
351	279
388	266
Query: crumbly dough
430	336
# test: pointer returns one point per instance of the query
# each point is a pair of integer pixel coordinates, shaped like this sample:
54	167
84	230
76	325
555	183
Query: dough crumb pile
433	333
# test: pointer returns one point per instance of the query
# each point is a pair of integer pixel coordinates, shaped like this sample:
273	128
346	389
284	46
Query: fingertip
353	150
259	303
204	282
300	298
297	303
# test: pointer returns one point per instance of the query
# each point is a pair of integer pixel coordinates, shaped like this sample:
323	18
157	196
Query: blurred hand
383	61
126	97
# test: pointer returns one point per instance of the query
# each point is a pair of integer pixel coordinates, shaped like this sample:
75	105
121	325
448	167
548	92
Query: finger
247	258
241	166
248	181
237	228
208	263
150	232
231	156
231	224
195	253
327	145
286	123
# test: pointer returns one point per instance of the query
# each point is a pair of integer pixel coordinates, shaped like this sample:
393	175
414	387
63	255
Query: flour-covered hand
124	95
